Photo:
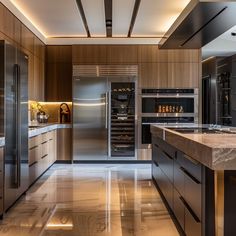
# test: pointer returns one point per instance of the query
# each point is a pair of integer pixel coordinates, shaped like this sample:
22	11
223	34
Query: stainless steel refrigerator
104	118
14	122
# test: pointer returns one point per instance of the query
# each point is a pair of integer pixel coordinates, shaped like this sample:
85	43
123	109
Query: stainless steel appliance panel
90	118
16	124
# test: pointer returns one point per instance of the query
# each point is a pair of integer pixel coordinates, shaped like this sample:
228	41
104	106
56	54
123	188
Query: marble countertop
216	151
46	128
41	128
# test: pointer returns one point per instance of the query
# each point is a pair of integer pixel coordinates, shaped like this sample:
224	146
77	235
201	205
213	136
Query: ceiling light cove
20	6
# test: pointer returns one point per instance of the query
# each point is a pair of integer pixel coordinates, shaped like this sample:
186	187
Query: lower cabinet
180	180
42	153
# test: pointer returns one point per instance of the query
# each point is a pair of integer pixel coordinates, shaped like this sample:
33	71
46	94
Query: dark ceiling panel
200	23
134	15
108	17
81	10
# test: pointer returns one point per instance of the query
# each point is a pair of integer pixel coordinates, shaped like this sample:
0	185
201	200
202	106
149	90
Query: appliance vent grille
105	70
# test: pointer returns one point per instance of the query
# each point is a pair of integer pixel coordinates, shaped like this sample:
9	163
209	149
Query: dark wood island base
201	200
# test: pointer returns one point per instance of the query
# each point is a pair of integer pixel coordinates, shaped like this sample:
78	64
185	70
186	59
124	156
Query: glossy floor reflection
91	200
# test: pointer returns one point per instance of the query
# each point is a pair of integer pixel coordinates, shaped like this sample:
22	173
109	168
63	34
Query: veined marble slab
46	128
216	151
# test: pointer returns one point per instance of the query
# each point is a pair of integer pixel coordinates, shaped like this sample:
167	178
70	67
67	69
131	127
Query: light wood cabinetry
122	54
42	153
183	75
64	144
89	54
153	75
58	73
151	54
12	30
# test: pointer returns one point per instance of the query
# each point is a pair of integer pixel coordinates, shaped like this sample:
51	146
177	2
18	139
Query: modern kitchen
118	117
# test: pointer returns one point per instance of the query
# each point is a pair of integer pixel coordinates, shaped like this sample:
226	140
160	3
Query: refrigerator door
16	125
90	119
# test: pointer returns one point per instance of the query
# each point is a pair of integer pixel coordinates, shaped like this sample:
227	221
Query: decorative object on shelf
65	116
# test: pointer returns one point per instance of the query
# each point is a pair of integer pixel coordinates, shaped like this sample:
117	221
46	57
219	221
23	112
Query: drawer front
45	148
178	208
166	163
44	137
166	147
155	171
190	165
193	195
178	178
192	227
50	135
34	154
35	141
33	172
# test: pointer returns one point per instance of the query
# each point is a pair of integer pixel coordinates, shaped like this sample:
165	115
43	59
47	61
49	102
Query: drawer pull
44	142
36	146
190	210
35	162
170	157
50	139
155	163
44	156
189	175
156	145
191	159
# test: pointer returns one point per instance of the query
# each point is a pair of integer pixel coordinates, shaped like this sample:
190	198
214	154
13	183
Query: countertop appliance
166	106
104	115
14	123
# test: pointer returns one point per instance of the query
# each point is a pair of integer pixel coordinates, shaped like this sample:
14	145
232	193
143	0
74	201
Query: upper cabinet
27	39
89	54
122	54
58	86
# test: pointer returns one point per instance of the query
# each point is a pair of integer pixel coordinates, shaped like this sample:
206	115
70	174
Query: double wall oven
166	106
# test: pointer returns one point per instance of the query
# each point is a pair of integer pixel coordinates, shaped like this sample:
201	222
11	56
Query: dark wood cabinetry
58	85
180	180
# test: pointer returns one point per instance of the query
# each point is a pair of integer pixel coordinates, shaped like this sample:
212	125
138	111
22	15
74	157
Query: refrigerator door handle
18	127
107	109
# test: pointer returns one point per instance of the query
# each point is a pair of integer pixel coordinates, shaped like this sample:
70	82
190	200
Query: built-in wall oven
167	106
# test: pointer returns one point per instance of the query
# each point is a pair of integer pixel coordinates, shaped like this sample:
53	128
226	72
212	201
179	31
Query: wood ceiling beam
134	15
108	17
81	10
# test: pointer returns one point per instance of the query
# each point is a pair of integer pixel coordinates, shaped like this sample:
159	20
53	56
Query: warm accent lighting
29	18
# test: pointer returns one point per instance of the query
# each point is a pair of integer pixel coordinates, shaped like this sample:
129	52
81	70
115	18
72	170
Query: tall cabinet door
90	118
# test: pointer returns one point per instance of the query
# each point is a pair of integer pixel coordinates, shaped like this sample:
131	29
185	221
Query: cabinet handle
50	139
189	175
35	162
44	156
36	146
44	142
155	163
156	145
190	210
170	157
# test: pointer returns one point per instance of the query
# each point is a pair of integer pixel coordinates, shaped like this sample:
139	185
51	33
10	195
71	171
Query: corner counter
195	174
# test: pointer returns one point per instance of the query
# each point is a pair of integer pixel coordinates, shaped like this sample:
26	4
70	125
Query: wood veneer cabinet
151	54
58	84
89	54
153	75
42	153
183	75
122	54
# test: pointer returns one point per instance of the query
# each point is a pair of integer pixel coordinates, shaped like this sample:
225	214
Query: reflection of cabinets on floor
42	153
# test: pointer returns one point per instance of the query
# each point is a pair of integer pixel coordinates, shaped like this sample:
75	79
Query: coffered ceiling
62	21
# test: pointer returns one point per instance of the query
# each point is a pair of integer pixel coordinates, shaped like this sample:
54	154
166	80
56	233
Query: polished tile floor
91	200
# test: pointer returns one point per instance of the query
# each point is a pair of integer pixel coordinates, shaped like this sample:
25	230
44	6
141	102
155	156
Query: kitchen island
194	169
